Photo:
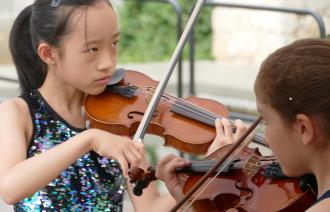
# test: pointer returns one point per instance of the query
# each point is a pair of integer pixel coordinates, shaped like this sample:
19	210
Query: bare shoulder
323	206
14	108
15	129
15	117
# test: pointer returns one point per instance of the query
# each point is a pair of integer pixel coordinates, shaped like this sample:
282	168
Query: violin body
235	189
250	183
180	122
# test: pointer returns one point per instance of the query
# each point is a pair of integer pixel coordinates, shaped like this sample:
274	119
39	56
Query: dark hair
39	22
296	79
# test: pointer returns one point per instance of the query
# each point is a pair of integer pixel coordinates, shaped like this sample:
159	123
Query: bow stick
219	163
141	131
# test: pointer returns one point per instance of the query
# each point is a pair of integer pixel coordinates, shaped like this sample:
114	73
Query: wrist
177	194
89	140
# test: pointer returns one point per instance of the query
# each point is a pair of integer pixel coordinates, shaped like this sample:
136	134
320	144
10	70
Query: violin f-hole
132	114
247	189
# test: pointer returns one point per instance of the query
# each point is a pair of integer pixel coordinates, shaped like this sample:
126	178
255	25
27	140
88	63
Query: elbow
7	194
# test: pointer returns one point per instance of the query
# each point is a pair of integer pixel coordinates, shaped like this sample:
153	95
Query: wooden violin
251	182
187	125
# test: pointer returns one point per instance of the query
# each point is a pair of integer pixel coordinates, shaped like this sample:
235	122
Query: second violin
251	182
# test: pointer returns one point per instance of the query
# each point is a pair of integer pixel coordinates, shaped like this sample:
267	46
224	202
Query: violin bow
142	129
219	163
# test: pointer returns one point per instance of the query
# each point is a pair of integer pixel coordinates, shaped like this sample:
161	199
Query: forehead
98	21
266	110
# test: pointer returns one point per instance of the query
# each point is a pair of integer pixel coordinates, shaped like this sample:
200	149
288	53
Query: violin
251	182
187	125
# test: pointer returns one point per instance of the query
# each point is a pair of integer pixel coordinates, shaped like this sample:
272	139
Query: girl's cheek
267	137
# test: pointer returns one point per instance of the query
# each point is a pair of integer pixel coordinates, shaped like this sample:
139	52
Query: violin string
200	190
259	136
221	168
185	103
212	115
208	164
211	162
186	106
198	111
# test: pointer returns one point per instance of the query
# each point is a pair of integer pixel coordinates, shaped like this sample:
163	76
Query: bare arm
21	177
151	200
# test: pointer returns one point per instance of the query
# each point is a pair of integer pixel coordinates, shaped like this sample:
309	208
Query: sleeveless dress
92	183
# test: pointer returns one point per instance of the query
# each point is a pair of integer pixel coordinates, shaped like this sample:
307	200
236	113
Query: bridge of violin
252	166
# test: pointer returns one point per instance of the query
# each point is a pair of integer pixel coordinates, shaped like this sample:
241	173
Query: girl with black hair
63	50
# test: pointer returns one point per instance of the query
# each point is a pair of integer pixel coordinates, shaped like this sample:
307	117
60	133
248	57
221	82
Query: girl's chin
290	173
96	91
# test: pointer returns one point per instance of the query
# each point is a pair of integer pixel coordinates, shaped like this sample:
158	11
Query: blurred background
219	62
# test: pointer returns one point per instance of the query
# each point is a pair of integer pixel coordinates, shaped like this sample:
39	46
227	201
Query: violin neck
201	166
199	114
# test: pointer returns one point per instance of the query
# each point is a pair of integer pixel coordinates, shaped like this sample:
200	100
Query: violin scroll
141	179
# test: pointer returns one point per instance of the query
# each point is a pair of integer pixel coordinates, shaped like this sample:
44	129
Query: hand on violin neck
121	148
165	171
225	134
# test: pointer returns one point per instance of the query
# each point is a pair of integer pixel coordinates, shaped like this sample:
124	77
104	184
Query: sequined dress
92	183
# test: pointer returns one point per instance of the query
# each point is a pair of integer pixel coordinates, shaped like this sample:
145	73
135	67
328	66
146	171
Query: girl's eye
115	44
92	50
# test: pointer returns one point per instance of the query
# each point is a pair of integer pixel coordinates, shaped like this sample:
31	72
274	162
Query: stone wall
250	35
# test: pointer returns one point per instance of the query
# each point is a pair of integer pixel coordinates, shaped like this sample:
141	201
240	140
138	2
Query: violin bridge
252	166
149	93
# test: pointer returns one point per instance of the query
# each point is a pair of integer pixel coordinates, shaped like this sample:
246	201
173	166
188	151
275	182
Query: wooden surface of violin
187	125
251	182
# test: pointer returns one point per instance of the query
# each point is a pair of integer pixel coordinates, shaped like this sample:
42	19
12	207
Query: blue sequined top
92	183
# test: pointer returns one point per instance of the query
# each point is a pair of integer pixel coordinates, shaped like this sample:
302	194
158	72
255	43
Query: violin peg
135	174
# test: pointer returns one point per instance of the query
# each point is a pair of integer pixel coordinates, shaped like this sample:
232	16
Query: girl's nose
107	63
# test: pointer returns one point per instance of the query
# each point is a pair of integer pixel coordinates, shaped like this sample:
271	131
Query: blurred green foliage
149	33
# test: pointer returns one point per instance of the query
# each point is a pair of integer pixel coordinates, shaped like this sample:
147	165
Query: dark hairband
55	3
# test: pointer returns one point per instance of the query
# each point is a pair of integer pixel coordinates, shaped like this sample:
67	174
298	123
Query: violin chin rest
117	76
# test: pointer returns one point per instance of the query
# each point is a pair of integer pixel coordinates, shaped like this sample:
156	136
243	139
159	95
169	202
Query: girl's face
283	140
88	54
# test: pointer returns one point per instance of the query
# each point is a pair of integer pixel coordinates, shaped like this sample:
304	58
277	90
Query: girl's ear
305	128
46	53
